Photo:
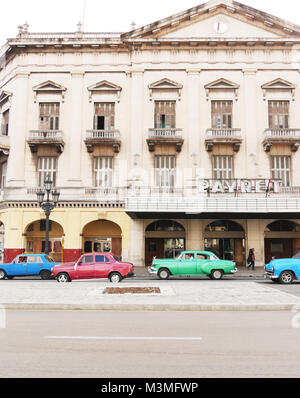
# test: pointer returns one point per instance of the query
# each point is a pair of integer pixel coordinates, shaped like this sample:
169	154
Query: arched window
223	226
165	225
282	226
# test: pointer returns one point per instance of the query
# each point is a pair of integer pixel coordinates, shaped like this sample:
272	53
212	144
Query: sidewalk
173	295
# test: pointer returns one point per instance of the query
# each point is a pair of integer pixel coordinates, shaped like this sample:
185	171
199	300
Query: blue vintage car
28	265
284	270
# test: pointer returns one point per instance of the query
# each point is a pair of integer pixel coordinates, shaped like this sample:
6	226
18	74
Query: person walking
251	259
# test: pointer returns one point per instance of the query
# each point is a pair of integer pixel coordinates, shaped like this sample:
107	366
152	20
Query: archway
102	236
164	239
282	239
35	235
226	239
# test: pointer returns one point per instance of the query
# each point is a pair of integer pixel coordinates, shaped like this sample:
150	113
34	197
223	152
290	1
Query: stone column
18	131
75	146
252	136
194	236
137	243
136	116
193	116
256	240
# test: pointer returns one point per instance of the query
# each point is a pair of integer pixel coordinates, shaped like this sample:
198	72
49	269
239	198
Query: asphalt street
149	344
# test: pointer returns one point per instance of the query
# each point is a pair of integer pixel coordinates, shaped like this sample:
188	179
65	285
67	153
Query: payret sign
239	186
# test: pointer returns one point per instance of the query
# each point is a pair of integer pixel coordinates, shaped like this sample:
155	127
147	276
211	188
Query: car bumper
152	271
234	271
270	275
130	275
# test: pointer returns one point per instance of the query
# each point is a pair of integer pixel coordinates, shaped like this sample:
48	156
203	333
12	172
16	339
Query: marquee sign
239	186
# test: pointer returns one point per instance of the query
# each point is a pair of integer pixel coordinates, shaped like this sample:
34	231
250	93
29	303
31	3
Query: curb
149	307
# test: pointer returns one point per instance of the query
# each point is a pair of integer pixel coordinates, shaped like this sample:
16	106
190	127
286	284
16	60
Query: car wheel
216	274
286	277
164	274
63	278
2	274
45	275
115	277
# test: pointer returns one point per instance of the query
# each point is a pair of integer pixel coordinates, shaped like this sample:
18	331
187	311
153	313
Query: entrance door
278	248
227	249
163	248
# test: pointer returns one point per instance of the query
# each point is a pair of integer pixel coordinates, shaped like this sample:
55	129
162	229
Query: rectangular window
49	116
3	171
222	167
279	114
5	123
221	114
103	172
46	167
165	171
281	169
104	117
165	115
43	225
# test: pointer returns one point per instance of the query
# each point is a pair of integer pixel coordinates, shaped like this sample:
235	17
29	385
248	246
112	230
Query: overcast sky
111	15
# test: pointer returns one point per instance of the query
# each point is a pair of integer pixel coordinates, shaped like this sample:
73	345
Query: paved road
129	344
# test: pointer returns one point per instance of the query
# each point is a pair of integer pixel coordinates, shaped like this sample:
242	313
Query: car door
85	267
187	264
34	265
204	264
20	266
102	266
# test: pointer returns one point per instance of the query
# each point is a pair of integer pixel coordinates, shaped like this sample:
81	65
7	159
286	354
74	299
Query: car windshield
49	259
214	257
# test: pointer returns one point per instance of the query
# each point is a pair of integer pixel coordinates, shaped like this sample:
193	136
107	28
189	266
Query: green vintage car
194	262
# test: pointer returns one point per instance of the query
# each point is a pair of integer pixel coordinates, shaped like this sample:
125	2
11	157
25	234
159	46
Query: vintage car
28	265
283	270
94	266
192	263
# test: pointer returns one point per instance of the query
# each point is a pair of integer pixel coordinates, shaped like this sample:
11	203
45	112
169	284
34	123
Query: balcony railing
282	133
286	136
165	133
223	133
45	135
103	134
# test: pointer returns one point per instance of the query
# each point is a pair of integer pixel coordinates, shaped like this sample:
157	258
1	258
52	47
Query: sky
111	15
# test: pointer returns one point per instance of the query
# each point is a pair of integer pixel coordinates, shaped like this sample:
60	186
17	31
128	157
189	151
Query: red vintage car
94	266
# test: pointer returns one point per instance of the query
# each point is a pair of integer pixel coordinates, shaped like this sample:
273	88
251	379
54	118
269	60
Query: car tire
286	277
115	277
164	274
45	275
217	274
2	274
63	278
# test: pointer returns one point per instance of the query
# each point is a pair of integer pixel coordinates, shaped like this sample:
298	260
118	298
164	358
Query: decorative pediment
205	20
222	84
165	84
49	87
279	84
103	87
4	97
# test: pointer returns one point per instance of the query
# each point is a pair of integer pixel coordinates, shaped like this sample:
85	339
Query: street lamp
47	205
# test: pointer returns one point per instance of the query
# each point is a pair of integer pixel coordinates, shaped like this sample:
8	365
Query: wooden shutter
221	114
107	110
168	109
49	116
278	114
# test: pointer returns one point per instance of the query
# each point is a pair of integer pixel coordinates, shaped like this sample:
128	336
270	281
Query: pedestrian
251	259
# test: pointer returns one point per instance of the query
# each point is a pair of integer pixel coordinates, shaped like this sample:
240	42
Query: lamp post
47	205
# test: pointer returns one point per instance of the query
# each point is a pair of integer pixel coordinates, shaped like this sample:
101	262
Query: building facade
182	134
